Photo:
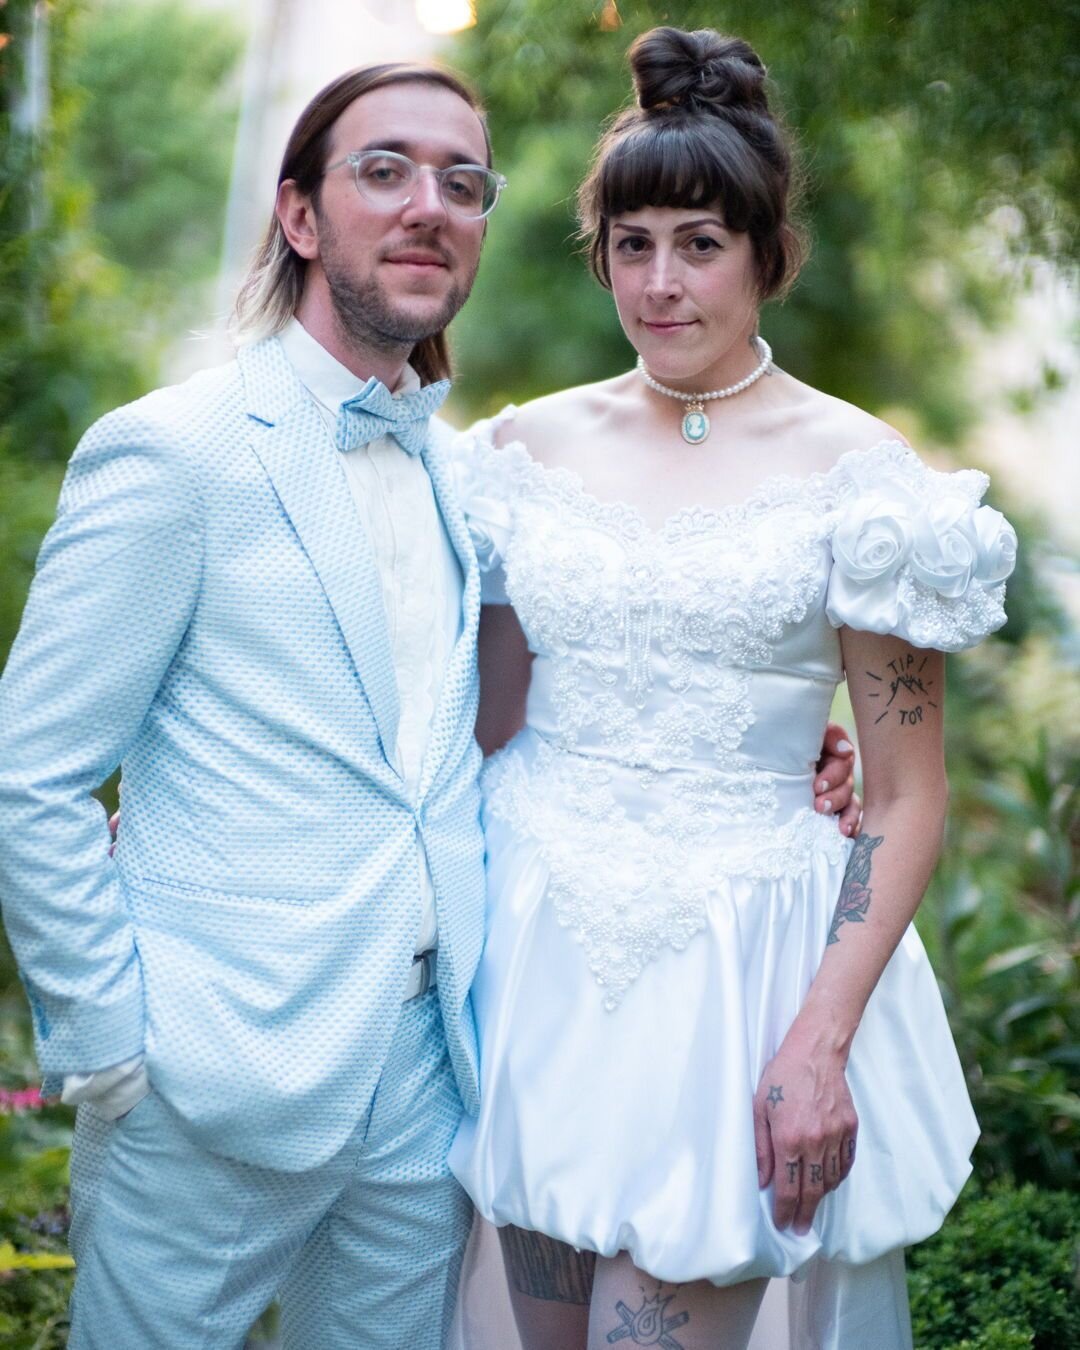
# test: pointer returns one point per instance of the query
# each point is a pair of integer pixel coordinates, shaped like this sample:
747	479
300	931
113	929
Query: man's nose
426	207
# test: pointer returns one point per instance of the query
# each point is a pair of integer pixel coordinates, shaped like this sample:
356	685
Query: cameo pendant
695	424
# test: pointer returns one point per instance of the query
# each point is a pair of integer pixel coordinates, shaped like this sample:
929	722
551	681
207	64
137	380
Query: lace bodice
683	675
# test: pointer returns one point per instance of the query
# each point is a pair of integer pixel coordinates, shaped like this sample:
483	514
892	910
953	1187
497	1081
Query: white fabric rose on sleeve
997	546
870	545
946	546
916	556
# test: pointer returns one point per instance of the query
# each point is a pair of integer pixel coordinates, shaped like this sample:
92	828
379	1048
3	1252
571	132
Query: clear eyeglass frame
394	193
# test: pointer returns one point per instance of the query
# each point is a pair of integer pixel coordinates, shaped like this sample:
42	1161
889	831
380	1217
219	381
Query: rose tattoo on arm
855	891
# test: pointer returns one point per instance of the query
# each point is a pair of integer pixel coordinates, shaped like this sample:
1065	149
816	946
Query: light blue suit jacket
207	613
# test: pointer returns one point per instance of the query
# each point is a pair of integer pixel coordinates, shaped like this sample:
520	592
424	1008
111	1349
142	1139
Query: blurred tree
113	178
62	305
916	121
153	134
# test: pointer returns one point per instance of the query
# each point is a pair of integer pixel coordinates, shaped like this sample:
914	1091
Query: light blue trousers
180	1249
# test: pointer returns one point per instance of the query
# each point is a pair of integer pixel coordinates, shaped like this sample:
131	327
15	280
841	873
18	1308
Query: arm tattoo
855	891
650	1324
904	690
544	1268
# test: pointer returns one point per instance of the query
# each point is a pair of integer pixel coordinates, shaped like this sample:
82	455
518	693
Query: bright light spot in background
445	16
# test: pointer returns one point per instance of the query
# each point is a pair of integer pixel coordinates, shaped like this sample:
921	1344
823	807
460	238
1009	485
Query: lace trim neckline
773	490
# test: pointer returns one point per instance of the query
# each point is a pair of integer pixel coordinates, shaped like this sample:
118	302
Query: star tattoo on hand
776	1094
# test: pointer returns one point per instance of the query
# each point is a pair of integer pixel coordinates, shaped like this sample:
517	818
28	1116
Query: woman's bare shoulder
827	427
544	425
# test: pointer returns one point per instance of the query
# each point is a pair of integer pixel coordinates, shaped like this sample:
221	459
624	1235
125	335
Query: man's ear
296	214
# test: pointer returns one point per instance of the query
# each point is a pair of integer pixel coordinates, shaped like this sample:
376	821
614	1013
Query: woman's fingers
813	1190
787	1188
762	1144
833	772
834	777
851	817
847	1154
837	744
805	1172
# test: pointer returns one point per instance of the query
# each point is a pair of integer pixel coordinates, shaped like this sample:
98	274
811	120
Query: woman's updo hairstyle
701	135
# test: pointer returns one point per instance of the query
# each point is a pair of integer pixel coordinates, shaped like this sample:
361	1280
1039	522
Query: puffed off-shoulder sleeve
914	553
486	481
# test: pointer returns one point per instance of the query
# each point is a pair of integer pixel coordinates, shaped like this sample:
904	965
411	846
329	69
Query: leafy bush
35	1273
1002	924
1001	1274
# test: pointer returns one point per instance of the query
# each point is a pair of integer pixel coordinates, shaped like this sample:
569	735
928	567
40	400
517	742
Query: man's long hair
271	291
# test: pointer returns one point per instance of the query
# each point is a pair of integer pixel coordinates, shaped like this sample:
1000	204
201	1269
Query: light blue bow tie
375	412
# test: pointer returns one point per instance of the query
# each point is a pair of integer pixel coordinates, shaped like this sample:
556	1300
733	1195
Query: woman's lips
666	326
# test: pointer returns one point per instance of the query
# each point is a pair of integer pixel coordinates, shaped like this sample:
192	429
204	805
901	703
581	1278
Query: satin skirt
632	1130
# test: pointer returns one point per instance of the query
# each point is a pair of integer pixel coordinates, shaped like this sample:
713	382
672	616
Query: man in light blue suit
260	598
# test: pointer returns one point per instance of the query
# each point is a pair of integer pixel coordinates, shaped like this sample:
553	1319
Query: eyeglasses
391	180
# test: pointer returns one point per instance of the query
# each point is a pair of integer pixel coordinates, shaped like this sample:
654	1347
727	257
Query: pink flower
14	1100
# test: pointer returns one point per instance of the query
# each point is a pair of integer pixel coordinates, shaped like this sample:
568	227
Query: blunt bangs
681	164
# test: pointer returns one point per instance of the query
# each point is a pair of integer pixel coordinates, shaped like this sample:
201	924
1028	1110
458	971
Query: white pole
246	204
30	113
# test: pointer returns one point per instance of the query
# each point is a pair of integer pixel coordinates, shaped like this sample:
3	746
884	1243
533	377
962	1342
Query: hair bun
699	70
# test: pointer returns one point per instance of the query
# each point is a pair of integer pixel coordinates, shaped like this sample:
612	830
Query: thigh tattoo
542	1267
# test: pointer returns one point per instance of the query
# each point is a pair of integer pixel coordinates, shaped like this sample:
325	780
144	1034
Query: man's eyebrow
408	150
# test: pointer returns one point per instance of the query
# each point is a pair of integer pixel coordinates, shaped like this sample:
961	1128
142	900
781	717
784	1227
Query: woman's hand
834	781
805	1127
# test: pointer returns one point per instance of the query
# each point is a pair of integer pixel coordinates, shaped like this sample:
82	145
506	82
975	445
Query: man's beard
367	318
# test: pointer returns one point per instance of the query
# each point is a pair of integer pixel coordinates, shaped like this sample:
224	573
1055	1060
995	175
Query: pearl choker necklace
695	423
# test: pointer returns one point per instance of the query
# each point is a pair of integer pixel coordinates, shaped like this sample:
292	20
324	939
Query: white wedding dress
660	889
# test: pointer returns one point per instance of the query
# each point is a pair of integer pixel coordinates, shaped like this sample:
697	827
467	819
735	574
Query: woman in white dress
712	1048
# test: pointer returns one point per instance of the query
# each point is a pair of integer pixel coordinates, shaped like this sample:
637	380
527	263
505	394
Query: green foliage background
915	119
936	135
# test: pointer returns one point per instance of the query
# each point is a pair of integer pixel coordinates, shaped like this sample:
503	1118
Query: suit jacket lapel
289	437
460	667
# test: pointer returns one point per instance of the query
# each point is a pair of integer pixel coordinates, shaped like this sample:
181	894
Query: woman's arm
505	662
805	1121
